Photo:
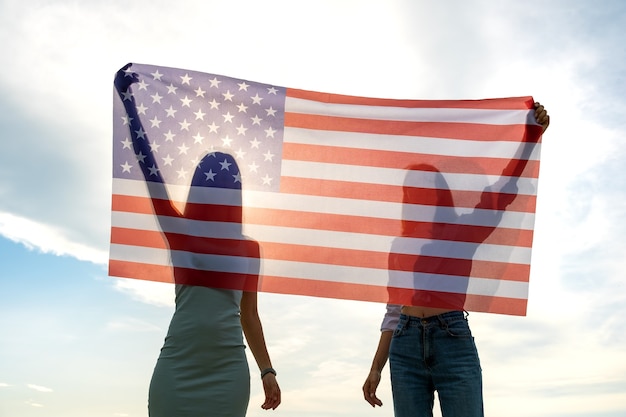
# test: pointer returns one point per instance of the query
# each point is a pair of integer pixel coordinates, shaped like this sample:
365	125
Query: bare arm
252	329
373	379
149	166
505	190
517	165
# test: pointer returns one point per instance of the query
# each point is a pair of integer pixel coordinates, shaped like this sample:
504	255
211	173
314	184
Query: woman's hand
369	388
541	115
272	392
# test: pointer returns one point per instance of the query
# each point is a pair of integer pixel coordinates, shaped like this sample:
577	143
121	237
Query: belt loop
404	321
442	323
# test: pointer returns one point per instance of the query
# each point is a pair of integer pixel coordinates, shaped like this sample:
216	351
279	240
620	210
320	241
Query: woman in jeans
431	349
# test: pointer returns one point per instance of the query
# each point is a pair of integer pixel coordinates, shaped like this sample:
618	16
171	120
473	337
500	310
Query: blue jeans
435	354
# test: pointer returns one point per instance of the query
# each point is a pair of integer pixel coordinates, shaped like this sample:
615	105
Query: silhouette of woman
202	367
428	342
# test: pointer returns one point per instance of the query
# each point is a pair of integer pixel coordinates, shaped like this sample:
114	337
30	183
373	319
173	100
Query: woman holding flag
202	368
432	349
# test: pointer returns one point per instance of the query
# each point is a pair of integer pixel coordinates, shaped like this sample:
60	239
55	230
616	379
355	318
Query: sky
76	342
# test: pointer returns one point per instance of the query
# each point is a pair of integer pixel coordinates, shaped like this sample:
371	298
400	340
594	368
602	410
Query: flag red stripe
131	204
328	289
136	237
325	255
216	279
373	293
512	103
195	211
471	131
392	193
354	224
394	159
149	272
482	303
387	227
185	276
344	189
179	241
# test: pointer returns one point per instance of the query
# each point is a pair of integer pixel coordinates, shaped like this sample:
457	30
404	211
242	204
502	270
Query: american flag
225	182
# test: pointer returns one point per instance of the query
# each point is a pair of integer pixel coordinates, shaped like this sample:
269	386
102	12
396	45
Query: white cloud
154	293
545	358
46	238
39	388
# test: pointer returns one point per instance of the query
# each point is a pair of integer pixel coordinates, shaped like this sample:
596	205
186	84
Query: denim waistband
448	317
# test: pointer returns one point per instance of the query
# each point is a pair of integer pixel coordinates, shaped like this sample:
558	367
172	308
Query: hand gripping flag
235	184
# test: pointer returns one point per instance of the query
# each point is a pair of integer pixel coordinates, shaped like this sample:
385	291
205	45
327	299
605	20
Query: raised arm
507	186
148	165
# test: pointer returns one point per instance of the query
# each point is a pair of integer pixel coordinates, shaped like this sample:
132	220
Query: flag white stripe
433	114
387	210
409	144
332	273
347	206
324	238
397	177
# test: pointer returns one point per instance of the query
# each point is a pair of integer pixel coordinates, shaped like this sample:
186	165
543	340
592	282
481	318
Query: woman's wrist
266	371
